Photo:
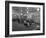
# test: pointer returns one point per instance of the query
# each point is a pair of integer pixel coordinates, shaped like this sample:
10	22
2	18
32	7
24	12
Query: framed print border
7	18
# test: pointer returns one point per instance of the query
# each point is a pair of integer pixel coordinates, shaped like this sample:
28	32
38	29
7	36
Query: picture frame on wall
24	18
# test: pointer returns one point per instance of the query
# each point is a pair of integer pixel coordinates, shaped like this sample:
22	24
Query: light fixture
37	9
21	14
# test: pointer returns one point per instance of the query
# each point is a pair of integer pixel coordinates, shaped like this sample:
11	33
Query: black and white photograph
25	18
